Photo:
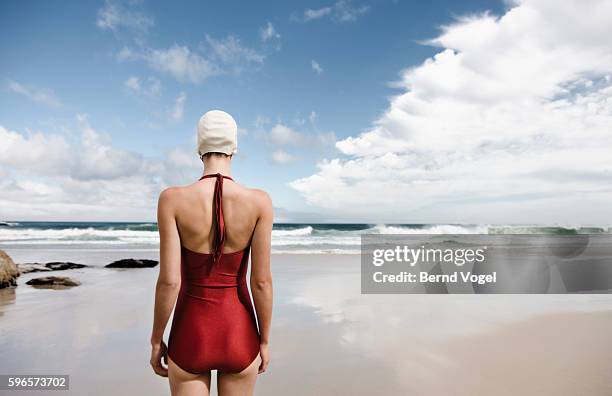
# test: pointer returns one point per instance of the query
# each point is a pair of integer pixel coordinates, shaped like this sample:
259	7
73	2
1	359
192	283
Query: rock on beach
53	282
8	271
133	263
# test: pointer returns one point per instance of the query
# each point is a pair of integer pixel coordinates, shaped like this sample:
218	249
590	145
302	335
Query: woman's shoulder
178	189
262	201
173	193
260	196
255	197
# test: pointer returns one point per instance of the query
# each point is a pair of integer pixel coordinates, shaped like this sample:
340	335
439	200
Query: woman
207	231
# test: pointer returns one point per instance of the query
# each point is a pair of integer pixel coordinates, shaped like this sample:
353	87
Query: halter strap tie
218	209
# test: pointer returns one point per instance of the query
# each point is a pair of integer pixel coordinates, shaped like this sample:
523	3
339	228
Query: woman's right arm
261	276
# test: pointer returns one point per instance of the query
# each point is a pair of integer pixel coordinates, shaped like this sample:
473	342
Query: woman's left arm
168	280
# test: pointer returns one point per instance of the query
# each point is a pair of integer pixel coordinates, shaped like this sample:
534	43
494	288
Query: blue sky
120	86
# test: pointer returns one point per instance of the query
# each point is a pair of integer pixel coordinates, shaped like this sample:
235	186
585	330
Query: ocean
286	238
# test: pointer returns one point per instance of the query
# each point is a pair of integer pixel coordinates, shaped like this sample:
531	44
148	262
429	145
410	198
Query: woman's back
194	209
214	326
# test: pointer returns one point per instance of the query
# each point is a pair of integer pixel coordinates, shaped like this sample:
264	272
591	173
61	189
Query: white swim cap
217	132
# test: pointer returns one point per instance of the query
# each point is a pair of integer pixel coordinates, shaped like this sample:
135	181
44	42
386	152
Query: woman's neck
214	165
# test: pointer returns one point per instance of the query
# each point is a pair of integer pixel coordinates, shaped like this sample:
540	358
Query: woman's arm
168	280
261	276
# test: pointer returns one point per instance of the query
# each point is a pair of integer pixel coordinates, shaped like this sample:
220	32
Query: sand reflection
459	344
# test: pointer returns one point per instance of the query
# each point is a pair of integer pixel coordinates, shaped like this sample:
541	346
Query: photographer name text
425	277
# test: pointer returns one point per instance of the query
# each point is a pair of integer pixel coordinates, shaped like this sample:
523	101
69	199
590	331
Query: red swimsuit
214	325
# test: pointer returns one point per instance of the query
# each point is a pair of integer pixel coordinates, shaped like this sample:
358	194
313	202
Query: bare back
194	209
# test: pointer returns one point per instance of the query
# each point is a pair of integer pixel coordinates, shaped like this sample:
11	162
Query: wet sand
327	338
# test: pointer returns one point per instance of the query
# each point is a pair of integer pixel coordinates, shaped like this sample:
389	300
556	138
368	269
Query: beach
327	338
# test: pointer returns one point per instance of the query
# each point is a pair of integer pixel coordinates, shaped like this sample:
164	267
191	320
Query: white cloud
42	96
90	157
55	177
282	157
261	121
231	53
513	114
180	165
346	12
316	67
223	56
213	56
97	159
133	84
36	151
154	87
268	33
341	11
179	107
283	135
181	63
125	54
114	16
310	14
150	87
312	117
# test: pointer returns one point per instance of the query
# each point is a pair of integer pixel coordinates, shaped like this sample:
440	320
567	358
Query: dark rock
52	266
8	271
63	265
32	267
133	263
53	282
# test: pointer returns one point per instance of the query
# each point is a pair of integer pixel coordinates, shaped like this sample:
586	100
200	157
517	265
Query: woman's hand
158	351
265	357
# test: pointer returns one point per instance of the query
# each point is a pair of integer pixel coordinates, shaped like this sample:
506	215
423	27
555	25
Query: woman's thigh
239	384
183	383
